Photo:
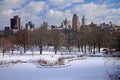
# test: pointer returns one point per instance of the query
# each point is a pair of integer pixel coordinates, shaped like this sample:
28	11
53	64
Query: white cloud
97	13
76	1
27	13
90	10
9	4
6	10
60	3
35	7
56	17
31	11
64	3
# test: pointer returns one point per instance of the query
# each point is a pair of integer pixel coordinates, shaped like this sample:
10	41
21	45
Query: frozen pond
92	68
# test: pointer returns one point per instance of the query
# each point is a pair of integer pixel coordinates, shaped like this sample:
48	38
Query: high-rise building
84	21
15	22
66	24
29	26
45	25
75	23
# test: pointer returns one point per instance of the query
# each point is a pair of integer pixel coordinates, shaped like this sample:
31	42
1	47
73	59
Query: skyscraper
15	22
66	24
75	23
29	26
84	22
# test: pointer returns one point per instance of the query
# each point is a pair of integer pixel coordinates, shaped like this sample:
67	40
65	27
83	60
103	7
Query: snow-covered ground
91	68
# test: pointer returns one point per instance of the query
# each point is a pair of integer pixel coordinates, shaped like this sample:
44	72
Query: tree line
85	40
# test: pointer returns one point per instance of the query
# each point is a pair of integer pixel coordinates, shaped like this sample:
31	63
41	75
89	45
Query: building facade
76	23
15	22
29	26
84	21
65	24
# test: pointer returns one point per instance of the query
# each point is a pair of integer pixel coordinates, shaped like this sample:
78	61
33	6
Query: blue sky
55	11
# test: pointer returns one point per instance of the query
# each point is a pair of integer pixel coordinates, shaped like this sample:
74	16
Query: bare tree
21	39
39	38
78	41
5	45
12	38
56	39
118	41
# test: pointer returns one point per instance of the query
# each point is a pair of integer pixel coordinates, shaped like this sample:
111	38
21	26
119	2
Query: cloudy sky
55	11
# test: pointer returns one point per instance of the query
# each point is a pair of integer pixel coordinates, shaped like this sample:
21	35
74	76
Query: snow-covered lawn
91	68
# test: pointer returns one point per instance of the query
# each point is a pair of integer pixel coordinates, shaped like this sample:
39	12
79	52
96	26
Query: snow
113	68
90	68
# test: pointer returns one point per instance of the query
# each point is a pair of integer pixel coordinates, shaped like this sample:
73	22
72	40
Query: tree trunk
78	48
69	50
12	51
119	47
3	52
82	48
111	50
85	48
40	50
55	51
24	49
93	49
99	49
89	47
32	51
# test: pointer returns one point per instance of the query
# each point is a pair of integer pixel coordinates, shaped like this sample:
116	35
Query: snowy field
90	68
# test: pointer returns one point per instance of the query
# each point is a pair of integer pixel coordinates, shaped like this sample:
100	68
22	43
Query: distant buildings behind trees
75	25
85	37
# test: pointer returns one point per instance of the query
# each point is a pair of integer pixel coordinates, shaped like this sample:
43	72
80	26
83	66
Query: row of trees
28	40
96	39
83	40
43	37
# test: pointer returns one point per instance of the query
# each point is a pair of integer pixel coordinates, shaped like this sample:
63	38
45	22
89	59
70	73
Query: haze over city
55	11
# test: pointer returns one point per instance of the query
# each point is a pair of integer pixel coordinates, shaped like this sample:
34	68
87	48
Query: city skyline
55	11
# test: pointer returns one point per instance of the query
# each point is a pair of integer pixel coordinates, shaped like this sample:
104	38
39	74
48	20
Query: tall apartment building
29	26
66	24
84	21
15	22
75	23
